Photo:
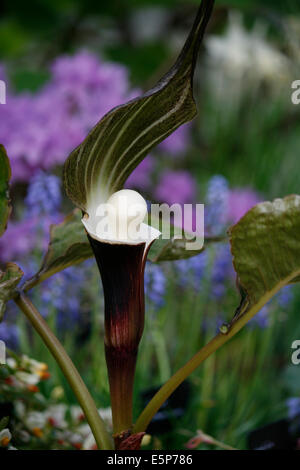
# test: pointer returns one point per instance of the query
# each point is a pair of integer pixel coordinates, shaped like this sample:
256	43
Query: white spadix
125	211
121	220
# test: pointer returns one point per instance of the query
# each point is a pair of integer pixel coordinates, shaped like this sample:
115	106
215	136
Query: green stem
169	387
79	388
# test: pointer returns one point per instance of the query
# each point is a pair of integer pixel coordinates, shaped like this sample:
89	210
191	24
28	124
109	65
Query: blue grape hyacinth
155	284
216	204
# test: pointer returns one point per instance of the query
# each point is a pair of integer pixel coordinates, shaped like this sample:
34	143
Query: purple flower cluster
216	205
42	205
240	201
155	284
281	301
191	271
176	187
285	296
222	272
141	179
9	333
43	195
39	130
293	406
176	144
62	294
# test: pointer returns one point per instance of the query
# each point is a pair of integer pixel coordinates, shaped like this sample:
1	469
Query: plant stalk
102	438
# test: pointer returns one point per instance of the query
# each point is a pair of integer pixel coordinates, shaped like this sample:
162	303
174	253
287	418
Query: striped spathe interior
101	164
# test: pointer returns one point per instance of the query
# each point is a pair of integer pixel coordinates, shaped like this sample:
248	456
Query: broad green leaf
171	250
120	141
5	175
9	279
175	246
266	251
68	246
175	249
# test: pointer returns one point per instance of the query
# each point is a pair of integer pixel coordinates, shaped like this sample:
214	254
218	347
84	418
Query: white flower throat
120	220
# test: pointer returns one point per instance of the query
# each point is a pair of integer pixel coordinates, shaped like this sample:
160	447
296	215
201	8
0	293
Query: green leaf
4	422
120	141
68	246
9	279
5	175
171	250
266	251
175	246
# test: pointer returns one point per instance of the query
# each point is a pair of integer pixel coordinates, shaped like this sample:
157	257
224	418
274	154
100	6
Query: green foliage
142	60
5	175
68	246
171	249
266	250
4	422
9	279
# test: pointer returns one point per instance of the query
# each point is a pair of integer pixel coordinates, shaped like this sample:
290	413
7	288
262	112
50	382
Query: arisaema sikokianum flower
94	176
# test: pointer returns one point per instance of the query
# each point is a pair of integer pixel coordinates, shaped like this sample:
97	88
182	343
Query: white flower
11	362
231	51
23	435
89	443
77	414
76	440
55	415
240	56
26	378
84	430
106	415
5	437
20	409
35	367
35	420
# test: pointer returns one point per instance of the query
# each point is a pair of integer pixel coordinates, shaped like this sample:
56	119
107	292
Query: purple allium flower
240	201
40	130
177	143
176	187
9	334
141	176
216	204
155	284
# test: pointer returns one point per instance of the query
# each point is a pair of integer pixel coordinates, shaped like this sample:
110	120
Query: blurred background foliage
243	147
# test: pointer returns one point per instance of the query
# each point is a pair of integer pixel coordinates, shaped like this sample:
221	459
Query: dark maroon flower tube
122	272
